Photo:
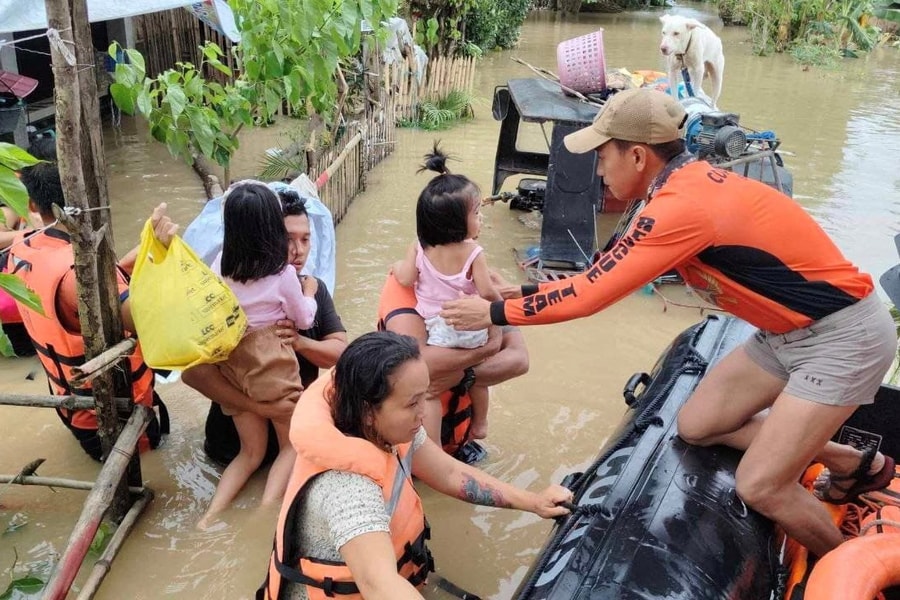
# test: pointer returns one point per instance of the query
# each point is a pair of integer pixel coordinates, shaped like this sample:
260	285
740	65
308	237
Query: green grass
443	113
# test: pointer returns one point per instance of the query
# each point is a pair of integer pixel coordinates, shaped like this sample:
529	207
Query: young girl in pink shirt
254	264
446	263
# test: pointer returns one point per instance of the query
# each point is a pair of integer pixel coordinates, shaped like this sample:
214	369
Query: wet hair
255	243
43	148
362	378
665	151
442	211
292	205
44	187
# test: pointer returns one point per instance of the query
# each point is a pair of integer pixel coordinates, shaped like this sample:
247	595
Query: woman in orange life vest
825	339
352	524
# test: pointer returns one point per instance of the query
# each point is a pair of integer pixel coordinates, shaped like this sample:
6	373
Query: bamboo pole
82	170
96	504
176	42
66	402
103	564
102	362
334	166
57	482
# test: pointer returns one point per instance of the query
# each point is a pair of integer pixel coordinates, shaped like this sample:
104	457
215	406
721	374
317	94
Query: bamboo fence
443	74
171	36
340	172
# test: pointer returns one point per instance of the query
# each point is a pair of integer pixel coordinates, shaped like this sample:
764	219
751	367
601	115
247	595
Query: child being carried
447	263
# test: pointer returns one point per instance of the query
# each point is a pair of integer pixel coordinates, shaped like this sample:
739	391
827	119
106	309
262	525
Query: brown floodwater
842	127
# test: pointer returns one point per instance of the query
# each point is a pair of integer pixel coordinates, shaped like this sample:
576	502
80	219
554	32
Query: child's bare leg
253	433
280	471
479	395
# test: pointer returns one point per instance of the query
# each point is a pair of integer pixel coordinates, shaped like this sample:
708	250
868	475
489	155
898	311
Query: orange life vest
322	447
42	261
455	403
456	419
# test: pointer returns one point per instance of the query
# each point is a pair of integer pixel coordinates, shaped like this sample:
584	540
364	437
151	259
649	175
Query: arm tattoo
472	491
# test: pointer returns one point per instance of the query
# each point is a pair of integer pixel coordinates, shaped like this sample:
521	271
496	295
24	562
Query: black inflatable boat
656	518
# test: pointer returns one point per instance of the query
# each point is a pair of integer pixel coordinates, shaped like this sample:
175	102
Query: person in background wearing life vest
825	339
352	525
44	260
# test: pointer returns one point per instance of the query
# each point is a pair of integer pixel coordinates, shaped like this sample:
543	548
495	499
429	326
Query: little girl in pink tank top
447	263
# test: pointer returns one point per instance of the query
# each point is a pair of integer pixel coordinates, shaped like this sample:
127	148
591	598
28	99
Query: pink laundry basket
581	63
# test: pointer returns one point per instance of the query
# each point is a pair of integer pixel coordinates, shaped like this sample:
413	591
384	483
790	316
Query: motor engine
529	195
718	138
711	134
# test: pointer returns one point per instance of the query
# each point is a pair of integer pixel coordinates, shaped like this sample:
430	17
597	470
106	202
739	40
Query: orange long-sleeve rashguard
739	243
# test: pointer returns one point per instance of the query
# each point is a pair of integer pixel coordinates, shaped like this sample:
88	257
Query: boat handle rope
582	509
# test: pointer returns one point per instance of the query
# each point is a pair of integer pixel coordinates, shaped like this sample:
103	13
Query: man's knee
519	366
758	491
694	429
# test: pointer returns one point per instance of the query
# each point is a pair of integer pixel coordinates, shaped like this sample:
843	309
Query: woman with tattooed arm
352	524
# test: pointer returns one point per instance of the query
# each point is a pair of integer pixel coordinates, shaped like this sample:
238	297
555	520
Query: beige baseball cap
641	115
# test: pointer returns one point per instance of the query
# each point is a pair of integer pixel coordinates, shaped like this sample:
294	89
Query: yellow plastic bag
184	314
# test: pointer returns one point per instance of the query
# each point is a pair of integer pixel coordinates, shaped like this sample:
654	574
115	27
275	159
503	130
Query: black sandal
862	480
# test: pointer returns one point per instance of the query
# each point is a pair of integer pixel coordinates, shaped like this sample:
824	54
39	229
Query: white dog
689	44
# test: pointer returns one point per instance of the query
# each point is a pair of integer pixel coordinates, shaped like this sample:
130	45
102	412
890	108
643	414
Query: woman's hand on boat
467	314
164	228
548	502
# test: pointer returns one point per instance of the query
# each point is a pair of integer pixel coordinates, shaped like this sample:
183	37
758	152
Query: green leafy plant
23	585
288	55
14	195
279	164
840	26
496	23
889	10
427	36
440	114
101	538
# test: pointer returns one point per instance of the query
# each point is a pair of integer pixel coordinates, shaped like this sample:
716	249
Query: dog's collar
688	47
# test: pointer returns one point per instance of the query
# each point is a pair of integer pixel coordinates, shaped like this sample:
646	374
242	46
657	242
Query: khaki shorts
263	367
839	360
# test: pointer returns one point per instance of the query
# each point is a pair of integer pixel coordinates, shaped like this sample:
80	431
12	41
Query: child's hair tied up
436	161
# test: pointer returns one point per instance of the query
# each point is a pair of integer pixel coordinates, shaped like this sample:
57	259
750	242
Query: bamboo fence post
67	402
175	41
96	504
82	170
103	564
